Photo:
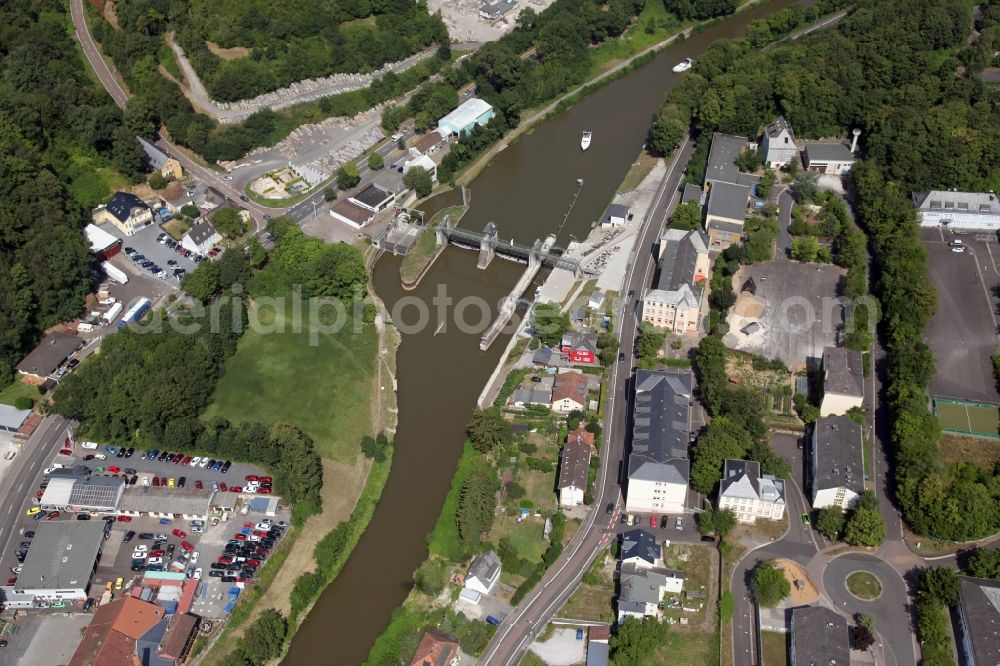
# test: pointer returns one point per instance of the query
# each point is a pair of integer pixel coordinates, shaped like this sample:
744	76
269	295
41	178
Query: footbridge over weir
536	256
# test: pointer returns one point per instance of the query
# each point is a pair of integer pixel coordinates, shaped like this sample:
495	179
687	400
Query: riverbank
418	261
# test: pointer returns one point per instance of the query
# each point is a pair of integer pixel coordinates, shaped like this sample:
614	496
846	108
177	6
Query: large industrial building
93	494
59	565
465	117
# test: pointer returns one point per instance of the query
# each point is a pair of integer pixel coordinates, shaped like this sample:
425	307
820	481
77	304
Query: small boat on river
585	140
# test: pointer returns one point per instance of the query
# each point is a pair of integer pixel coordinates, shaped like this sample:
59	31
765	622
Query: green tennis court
973	418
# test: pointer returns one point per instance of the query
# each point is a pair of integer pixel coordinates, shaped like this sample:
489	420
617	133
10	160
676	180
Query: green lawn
17	390
864	585
526	536
325	387
775	648
90	182
689	648
636	38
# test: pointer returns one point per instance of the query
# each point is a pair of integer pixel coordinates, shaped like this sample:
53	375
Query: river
526	190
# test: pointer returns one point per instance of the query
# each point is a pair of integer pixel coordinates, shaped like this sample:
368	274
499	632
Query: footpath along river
526	191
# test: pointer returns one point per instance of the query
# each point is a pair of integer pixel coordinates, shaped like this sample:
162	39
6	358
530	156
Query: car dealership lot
144	241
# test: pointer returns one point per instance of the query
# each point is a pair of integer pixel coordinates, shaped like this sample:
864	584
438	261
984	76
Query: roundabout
864	585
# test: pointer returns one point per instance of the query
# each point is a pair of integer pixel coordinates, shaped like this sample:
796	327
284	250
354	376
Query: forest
927	122
61	143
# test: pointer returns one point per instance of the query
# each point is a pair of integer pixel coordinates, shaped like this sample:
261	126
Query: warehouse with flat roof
59	565
161	502
94	494
465	117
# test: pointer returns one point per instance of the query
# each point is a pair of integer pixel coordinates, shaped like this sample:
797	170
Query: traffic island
864	585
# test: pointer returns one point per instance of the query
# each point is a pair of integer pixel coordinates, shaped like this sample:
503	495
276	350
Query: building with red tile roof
435	649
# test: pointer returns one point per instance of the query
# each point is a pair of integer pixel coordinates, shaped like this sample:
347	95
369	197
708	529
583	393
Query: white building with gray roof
642	590
483	574
93	494
843	381
837	469
160	502
979	619
777	145
675	303
819	636
958	210
833	158
749	494
658	465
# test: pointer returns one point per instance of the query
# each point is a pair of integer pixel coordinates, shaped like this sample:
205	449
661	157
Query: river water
526	190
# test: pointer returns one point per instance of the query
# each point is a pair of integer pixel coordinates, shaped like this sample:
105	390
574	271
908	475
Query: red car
252	563
252	477
156	481
186	546
156	553
179	533
223	487
264	479
260	533
177	459
39	493
11	581
264	491
69	443
249	523
225	559
65	452
240	537
652	522
262	552
52	516
199	485
124	519
114	469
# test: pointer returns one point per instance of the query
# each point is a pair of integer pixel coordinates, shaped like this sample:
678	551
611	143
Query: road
559	583
25	474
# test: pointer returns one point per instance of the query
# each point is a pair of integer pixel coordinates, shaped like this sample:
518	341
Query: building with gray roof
979	620
725	213
843	381
160	502
722	156
484	572
93	494
692	194
749	494
819	636
51	352
59	564
777	145
958	210
12	418
640	548
658	468
837	469
641	590
832	158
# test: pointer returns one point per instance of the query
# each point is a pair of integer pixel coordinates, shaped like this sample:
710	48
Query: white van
90	446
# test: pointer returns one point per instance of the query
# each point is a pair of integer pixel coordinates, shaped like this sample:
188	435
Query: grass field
444	538
984	453
978	419
19	390
775	648
864	585
90	182
325	388
689	648
636	38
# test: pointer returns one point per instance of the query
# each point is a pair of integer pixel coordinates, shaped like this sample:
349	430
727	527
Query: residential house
484	572
428	143
569	392
750	494
675	303
979	620
102	244
424	162
574	467
497	9
819	636
351	213
157	160
59	564
44	360
436	648
580	347
616	215
958	210
658	465
721	166
524	397
843	381
373	197
640	549
201	238
837	472
777	145
725	213
596	300
832	158
126	211
642	590
469	114
175	196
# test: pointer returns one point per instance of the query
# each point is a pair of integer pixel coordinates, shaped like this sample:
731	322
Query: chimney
854	141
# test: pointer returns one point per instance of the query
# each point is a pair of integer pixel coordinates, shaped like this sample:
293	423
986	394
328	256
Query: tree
686	216
329	193
419	180
770	585
805	188
865	527
203	282
637	641
549	324
719	522
476	505
371	449
649	343
940	584
805	248
348	176
723	439
227	221
375	161
865	620
190	210
770	462
429	577
608	344
985	563
266	636
157	181
862	638
489	430
650	28
830	521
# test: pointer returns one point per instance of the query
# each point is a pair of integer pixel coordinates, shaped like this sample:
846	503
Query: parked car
199	485
52	516
178	533
129	535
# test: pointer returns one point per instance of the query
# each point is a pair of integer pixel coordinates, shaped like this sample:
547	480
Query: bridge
489	245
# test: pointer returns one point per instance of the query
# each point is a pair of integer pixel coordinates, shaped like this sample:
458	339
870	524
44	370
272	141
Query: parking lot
963	332
800	316
144	241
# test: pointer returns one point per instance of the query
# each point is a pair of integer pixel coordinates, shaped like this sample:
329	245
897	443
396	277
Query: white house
422	161
469	114
569	392
640	549
574	467
126	211
373	198
958	210
832	158
837	472
777	145
658	466
642	591
749	494
616	216
201	238
843	381
484	572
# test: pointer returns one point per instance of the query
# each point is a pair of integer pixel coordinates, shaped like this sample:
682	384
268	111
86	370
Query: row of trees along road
946	135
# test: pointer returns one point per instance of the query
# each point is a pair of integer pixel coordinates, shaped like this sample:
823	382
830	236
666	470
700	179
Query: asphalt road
559	583
25	475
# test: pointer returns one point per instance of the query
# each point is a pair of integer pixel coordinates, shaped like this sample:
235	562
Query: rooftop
639	543
98	238
679	253
958	202
203	232
575	462
497	8
44	359
373	196
979	604
96	491
684	296
435	649
351	211
143	499
838	460
776	128
156	157
843	372
644	585
580	340
62	555
617	210
728	200
466	114
177	636
123	203
722	157
12	418
828	152
692	193
819	636
428	141
662	415
485	566
742	479
571	385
